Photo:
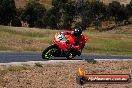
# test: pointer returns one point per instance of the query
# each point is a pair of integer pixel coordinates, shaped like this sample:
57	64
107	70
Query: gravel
63	74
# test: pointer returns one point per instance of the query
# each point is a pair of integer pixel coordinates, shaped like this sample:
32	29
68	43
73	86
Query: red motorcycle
62	47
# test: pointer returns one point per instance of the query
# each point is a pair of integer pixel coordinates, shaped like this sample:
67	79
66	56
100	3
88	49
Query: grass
24	39
106	43
22	3
33	39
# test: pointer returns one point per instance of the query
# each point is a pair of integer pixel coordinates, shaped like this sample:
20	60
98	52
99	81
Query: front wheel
48	52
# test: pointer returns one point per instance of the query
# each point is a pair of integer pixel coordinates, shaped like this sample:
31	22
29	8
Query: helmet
77	32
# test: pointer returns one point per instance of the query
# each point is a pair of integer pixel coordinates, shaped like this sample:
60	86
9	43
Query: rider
79	39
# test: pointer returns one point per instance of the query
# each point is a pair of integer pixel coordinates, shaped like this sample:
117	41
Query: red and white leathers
79	42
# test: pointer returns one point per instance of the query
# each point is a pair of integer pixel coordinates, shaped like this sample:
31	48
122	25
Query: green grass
104	43
24	39
27	33
32	39
24	33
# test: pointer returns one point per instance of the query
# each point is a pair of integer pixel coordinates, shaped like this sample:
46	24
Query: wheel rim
49	53
70	56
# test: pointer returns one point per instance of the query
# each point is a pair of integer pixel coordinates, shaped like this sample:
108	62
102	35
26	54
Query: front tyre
48	52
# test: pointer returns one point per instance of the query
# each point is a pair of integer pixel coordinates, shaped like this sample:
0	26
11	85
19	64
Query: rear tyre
48	52
72	53
70	56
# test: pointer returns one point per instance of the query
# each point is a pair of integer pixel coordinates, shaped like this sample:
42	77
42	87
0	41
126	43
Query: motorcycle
61	47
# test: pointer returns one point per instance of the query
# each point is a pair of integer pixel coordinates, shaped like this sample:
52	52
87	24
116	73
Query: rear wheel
72	53
48	52
70	56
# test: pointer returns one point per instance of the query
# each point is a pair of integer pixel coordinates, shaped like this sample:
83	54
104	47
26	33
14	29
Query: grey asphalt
7	57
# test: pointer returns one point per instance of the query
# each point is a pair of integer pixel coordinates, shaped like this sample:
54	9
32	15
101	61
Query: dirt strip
61	74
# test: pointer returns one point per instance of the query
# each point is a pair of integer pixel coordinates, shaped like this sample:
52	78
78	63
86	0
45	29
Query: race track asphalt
7	57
